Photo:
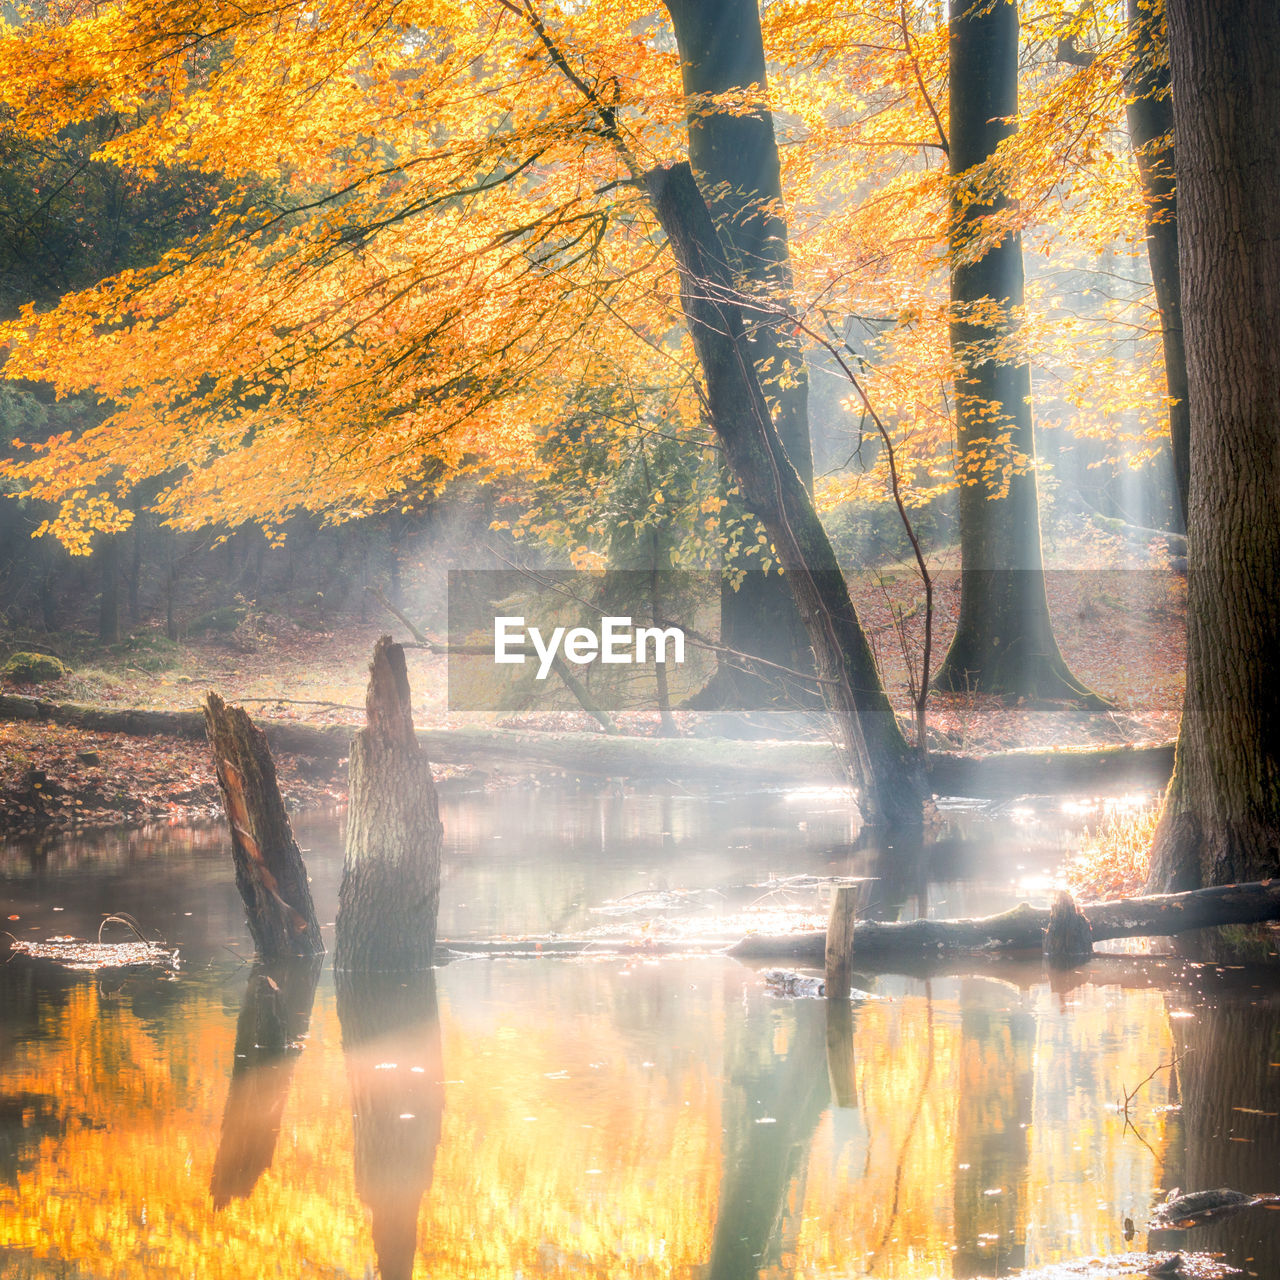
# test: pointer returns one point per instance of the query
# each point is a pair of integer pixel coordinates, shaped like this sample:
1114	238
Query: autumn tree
1149	109
1221	816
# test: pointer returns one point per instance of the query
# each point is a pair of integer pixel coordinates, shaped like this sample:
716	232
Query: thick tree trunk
270	1031
1004	640
391	875
1023	928
1221	819
734	154
878	758
1149	110
270	874
391	1042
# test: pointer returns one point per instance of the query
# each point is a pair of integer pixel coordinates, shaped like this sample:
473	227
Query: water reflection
270	1034
391	1045
643	1118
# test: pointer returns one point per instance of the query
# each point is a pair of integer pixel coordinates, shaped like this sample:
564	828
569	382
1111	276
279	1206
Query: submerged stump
391	876
270	873
1068	940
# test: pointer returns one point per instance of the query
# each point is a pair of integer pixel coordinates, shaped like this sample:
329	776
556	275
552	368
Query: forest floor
1121	631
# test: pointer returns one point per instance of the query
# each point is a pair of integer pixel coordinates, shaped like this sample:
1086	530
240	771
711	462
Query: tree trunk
391	875
109	600
734	154
877	756
1004	640
270	874
1149	108
1221	819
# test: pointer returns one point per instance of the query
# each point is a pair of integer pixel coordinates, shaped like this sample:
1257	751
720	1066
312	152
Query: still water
606	1115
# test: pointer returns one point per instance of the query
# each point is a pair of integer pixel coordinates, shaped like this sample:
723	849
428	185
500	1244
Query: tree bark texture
273	1023
1149	109
877	755
270	874
391	875
1023	928
1004	641
734	154
395	1071
1221	819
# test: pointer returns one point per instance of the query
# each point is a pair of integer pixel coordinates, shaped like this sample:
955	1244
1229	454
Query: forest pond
662	1112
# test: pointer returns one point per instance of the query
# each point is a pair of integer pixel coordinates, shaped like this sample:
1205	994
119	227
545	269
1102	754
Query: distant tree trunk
1221	819
391	876
391	1043
135	567
735	160
1004	640
1149	109
270	874
109	600
877	756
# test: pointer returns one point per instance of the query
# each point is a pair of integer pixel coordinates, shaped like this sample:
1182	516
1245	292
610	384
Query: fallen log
1022	928
998	775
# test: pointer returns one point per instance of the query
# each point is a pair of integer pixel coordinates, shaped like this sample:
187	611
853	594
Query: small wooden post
270	873
840	942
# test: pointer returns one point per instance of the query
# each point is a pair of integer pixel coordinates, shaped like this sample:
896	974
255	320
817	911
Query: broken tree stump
391	875
270	873
1068	938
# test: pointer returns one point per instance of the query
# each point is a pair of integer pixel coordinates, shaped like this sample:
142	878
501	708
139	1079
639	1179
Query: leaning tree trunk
734	154
1149	110
1004	640
877	755
1221	819
391	876
270	874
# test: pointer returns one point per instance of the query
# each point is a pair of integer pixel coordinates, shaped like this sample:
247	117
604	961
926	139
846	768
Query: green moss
148	651
221	621
33	668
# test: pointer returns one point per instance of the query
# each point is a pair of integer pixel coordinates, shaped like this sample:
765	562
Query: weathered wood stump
391	876
1068	940
270	873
